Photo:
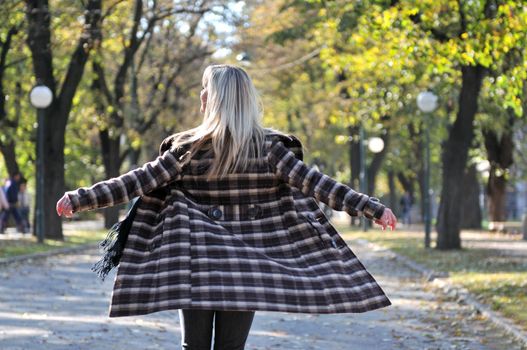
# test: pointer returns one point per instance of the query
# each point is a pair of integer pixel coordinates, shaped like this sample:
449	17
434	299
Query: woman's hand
387	219
64	207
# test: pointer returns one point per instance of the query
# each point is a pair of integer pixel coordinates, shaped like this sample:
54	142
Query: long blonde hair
232	121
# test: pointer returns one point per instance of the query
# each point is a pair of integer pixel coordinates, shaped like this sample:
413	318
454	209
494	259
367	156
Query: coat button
154	245
311	217
334	244
215	213
254	211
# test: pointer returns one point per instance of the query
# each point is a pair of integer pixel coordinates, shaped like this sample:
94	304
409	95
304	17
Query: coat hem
385	302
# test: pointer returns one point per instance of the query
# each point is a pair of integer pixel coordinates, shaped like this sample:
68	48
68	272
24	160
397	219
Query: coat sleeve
165	168
323	188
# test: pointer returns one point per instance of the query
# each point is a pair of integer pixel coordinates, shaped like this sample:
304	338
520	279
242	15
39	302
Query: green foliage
170	52
378	55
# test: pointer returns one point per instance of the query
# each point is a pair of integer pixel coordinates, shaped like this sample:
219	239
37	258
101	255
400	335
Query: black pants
4	218
231	329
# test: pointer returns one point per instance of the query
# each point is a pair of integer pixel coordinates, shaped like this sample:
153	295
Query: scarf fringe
112	249
113	244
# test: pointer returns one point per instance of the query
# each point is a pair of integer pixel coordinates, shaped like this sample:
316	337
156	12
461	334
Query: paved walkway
58	303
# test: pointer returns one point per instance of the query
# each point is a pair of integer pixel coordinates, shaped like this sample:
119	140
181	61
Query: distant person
228	223
406	208
4	206
12	188
23	205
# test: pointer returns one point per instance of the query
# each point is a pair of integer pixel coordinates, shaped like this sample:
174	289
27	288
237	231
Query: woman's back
229	220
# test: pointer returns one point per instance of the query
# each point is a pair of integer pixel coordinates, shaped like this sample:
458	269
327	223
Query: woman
229	224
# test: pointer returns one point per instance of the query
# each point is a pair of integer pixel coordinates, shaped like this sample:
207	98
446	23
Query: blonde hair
232	121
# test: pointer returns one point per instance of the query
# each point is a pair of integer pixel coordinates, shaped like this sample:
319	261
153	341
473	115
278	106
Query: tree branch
129	52
436	34
90	38
111	8
490	9
101	81
462	17
125	154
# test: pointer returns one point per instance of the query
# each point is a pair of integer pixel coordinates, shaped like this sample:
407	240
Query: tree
129	95
449	46
40	43
500	155
11	26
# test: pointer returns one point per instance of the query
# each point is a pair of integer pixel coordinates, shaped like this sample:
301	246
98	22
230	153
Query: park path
58	303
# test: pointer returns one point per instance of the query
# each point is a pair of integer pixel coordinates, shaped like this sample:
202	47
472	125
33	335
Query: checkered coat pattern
255	240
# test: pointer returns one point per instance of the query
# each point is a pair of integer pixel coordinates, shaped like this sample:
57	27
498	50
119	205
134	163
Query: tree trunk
133	156
375	165
500	156
454	159
111	156
53	158
471	210
422	192
496	191
56	115
392	202
408	186
354	159
9	127
8	151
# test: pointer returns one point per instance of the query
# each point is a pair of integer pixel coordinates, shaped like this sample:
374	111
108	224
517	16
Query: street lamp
375	145
40	97
427	103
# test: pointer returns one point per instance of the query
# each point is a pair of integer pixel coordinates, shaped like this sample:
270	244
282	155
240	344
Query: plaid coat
249	241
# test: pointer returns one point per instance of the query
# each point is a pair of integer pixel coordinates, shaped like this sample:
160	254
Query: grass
29	245
496	280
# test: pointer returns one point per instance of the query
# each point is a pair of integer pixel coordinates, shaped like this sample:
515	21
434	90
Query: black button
82	191
334	244
254	211
215	213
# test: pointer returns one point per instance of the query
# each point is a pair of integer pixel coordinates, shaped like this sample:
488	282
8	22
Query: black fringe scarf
113	244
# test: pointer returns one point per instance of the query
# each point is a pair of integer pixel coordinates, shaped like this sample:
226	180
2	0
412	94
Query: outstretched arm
166	168
322	187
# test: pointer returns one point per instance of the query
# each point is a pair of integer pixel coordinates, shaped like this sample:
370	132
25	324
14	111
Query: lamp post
40	97
483	168
375	145
427	103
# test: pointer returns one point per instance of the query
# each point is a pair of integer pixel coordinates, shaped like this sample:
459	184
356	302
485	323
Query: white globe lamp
375	144
427	101
41	96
